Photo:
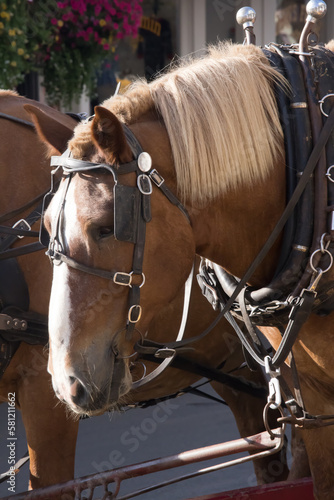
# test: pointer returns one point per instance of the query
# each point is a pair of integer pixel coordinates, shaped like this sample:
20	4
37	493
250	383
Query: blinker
126	209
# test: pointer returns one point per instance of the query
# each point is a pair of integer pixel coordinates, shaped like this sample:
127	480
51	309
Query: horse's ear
109	136
51	131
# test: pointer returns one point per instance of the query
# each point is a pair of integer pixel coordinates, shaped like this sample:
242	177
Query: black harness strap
17	120
20	229
295	120
234	382
17	252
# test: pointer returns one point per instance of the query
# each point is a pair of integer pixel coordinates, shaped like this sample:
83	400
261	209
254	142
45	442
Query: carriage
121	218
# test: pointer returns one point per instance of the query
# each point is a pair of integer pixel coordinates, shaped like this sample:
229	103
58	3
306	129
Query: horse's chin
99	404
82	413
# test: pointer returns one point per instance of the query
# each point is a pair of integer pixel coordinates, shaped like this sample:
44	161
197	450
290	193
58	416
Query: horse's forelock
128	108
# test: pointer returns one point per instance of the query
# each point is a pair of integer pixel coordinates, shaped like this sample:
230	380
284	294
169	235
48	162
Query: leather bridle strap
18	211
167	353
17	120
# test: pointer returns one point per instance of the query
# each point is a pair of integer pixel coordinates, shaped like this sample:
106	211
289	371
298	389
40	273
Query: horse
25	176
51	432
216	163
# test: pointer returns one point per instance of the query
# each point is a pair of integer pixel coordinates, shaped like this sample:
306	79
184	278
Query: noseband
132	211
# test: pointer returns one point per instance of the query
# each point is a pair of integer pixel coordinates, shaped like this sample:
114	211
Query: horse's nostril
78	393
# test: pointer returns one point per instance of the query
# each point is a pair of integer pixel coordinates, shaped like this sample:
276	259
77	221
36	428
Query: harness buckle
165	352
274	397
144	184
134	313
22	224
156	177
123	279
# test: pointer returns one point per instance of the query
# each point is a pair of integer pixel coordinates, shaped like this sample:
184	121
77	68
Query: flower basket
67	41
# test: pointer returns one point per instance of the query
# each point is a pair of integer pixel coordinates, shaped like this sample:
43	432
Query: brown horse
51	434
25	175
212	130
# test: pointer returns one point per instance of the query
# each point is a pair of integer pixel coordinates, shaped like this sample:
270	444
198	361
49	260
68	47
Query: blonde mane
221	117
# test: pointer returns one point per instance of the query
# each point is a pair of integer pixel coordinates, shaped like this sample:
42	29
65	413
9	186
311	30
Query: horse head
193	134
90	345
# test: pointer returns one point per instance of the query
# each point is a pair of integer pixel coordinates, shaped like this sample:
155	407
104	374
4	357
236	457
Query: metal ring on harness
328	175
266	423
321	102
323	252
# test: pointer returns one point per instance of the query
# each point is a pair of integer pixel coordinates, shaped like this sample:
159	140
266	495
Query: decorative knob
316	9
246	16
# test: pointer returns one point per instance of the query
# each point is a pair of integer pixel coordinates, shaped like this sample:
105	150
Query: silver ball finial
316	9
246	16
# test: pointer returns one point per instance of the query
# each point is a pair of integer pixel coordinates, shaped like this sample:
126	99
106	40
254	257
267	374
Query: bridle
132	211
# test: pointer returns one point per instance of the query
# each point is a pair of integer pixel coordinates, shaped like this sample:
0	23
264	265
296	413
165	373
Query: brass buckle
123	279
133	308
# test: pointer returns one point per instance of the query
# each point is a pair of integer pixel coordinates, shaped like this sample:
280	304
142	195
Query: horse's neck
233	229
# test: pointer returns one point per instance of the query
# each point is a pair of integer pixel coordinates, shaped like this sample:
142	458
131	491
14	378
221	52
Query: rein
17	120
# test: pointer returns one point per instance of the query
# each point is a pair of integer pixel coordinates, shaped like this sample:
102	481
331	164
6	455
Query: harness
299	285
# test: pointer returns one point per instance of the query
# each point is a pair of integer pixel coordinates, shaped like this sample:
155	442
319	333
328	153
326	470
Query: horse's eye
106	231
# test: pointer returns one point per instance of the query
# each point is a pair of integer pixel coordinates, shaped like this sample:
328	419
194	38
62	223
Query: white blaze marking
60	308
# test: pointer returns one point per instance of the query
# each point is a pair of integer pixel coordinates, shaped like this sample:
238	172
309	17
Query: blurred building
175	28
205	21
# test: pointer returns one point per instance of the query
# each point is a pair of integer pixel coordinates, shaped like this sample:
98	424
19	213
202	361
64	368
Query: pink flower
79	5
106	46
97	9
54	21
67	17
